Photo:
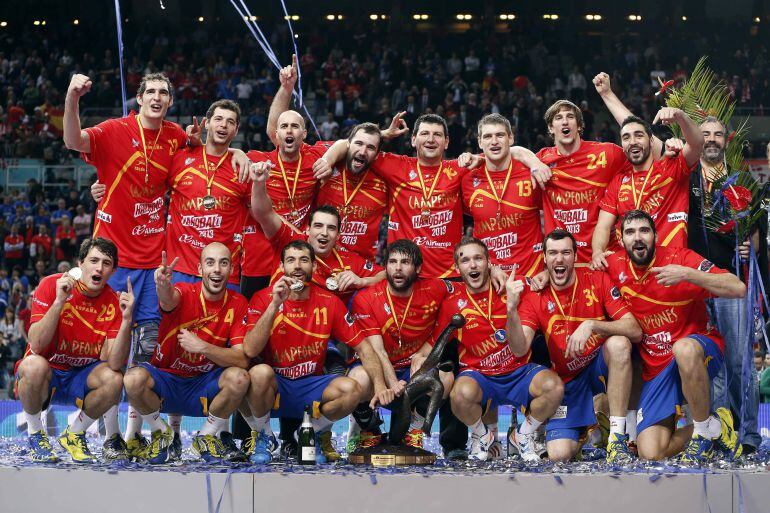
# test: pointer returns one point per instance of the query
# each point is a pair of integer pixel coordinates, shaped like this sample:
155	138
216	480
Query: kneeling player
398	316
78	343
199	368
492	374
293	323
681	351
591	354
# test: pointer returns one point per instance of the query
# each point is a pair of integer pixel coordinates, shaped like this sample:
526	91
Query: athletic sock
529	425
631	425
111	426
321	424
213	425
492	427
617	425
134	424
257	423
175	421
709	428
81	422
34	422
154	420
478	428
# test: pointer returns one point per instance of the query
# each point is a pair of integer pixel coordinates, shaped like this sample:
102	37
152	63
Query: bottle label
308	453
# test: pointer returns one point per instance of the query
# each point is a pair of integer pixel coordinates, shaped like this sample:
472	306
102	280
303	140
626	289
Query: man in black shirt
728	314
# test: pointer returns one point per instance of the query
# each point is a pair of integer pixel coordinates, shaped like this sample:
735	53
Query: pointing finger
129	288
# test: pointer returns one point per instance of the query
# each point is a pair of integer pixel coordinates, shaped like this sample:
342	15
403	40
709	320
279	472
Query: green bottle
306	440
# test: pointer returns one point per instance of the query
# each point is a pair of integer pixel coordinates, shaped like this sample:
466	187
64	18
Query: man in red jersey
666	288
504	204
291	186
208	201
78	343
580	170
588	330
341	272
360	195
426	206
491	374
292	326
398	315
658	187
198	368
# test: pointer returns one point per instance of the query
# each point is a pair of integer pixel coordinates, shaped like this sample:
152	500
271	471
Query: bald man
199	367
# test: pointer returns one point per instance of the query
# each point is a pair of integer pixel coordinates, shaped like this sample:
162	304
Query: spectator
65	240
41	246
60	213
11	345
82	224
14	248
328	127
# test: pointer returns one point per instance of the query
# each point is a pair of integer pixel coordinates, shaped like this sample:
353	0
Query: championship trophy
424	382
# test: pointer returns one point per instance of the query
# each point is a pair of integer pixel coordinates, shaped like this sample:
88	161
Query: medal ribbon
347	199
638	201
488	315
144	147
567	318
293	190
339	260
427	195
210	179
499	198
393	311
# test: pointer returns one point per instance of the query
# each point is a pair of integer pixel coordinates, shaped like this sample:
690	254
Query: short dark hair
635	215
404	247
494	119
367	128
433	119
637	119
155	77
106	246
468	241
226	105
325	209
560	234
300	245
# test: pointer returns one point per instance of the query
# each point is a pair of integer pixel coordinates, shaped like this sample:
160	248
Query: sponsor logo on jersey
296	371
505	240
461	303
430	243
103	216
434	220
622	277
188	161
705	266
143	229
202	222
578	215
561	412
144	209
674	217
392	225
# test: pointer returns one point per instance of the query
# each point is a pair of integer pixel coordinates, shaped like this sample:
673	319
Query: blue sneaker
697	451
259	448
42	452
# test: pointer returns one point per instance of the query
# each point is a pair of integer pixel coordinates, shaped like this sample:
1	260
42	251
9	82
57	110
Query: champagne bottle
306	440
511	448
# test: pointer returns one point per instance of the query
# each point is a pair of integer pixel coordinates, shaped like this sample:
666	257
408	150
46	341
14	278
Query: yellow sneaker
414	438
158	450
136	447
727	443
327	454
617	449
77	447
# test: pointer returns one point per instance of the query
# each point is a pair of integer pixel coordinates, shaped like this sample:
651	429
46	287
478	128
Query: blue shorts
577	408
179	277
294	394
185	396
511	389
662	395
69	387
143	283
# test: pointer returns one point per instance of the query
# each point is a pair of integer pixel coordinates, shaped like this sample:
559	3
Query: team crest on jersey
622	277
349	319
188	161
615	293
705	266
476	182
625	179
461	303
335	172
550	306
387	308
280	307
369	265
134	142
412	175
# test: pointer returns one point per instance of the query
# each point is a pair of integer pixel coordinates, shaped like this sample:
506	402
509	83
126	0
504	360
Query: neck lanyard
428	194
144	147
293	190
203	305
638	201
331	281
210	177
488	315
393	311
567	318
499	199
347	199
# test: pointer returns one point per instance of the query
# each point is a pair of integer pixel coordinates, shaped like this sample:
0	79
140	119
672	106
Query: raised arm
256	339
261	205
74	137
720	284
41	333
519	337
282	99
601	239
168	296
691	132
118	347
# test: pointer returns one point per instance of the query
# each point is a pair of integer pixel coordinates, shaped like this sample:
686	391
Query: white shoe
527	446
481	445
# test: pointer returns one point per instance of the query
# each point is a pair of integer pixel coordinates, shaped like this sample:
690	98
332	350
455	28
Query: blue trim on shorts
663	394
295	394
185	396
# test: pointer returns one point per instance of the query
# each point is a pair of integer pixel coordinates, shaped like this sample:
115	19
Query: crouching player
78	342
199	368
492	374
588	330
292	324
681	351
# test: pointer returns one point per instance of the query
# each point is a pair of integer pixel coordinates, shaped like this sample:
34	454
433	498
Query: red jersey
131	212
432	220
83	327
482	342
662	192
511	227
361	201
666	314
291	191
301	331
405	323
221	323
558	313
14	246
326	267
191	224
572	196
44	245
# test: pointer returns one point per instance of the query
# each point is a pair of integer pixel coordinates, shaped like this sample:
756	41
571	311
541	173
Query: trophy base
391	456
